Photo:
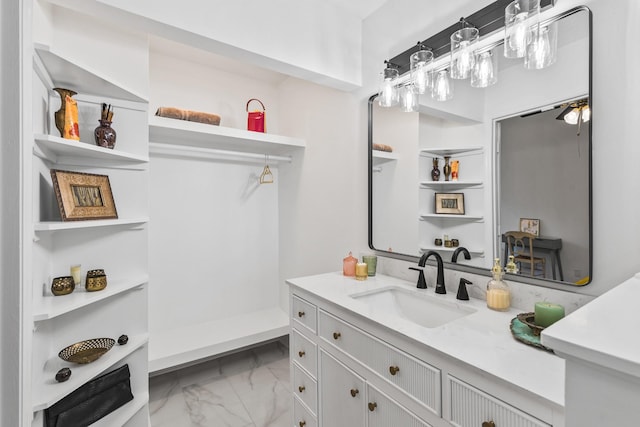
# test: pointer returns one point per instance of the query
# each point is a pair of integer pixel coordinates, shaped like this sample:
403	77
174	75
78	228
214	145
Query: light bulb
572	116
388	94
442	88
409	99
484	72
517	39
420	73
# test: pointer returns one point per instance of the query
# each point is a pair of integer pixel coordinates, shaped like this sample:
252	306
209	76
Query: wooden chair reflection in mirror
520	245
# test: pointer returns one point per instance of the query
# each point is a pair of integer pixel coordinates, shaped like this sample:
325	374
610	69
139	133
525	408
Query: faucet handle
462	289
422	283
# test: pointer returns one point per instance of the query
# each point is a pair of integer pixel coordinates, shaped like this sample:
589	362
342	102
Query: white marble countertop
604	332
485	331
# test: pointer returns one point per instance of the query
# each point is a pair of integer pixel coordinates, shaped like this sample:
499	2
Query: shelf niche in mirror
525	164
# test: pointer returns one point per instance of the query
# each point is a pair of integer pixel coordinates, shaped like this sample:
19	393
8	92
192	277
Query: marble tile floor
246	389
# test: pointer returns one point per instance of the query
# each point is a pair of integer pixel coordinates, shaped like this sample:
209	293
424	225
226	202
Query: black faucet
465	252
440	288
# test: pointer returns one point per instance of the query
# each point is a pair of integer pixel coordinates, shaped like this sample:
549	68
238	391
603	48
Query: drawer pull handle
394	370
336	335
354	392
302	423
488	424
301	388
300	313
301	353
372	406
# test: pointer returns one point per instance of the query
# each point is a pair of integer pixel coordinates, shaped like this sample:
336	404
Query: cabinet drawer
306	388
382	411
304	353
301	415
304	313
471	407
411	375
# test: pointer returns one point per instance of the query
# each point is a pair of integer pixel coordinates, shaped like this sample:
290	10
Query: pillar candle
547	313
361	271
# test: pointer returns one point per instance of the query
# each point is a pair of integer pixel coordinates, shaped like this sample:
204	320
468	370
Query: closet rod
212	153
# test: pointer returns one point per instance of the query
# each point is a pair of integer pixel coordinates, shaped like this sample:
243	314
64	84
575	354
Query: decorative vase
59	115
435	172
446	169
105	135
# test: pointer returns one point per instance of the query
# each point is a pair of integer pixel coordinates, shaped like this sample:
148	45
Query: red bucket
255	119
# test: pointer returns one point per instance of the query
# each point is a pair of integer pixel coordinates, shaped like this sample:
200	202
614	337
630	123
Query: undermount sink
425	310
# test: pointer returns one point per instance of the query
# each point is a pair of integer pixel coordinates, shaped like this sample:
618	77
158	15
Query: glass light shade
388	94
409	98
572	116
442	87
520	21
543	49
586	113
462	58
485	70
421	76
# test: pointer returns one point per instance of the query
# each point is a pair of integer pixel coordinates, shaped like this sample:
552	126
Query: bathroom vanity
380	352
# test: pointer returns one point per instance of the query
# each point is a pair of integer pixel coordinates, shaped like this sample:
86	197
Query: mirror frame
549	283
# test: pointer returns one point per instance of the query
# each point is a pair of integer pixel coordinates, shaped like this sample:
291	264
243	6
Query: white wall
309	39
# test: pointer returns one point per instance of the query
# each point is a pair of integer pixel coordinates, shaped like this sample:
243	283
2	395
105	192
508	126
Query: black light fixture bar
486	20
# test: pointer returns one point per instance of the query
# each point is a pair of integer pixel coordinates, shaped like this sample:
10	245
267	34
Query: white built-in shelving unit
119	246
467	228
189	342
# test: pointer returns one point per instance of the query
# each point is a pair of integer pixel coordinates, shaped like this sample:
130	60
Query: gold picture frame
83	196
450	203
530	225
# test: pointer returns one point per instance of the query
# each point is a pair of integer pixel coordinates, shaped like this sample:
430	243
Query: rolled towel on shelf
383	147
192	116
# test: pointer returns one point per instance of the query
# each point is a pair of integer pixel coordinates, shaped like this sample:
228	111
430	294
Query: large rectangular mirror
521	166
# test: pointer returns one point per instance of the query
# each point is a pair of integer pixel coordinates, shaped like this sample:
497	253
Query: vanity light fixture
462	44
409	98
543	49
388	94
485	70
421	74
520	24
442	87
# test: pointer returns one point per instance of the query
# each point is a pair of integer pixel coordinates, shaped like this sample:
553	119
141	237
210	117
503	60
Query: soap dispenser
498	293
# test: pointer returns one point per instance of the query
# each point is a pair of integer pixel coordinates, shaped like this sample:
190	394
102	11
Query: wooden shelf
66	73
191	134
426	217
172	348
49	391
54	306
50	226
447	151
65	151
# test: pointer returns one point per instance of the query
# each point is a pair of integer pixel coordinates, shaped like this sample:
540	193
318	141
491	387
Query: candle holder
528	319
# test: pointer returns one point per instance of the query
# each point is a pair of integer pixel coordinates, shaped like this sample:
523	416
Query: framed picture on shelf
83	196
450	203
530	225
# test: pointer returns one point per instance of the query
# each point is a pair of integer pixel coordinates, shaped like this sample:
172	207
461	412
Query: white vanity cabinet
364	373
